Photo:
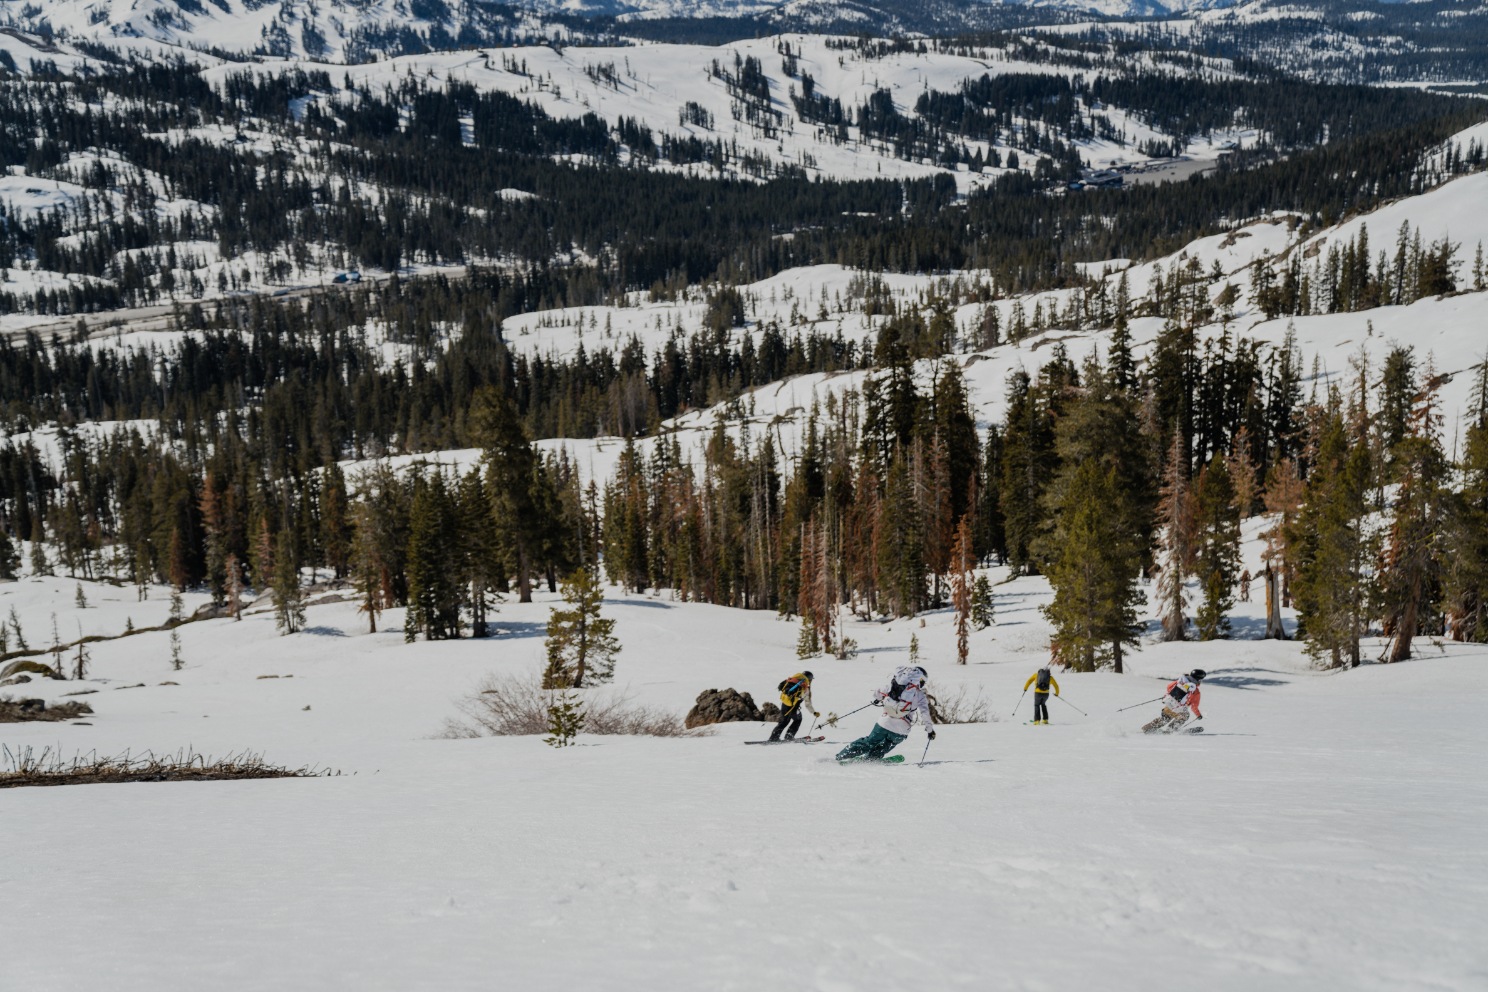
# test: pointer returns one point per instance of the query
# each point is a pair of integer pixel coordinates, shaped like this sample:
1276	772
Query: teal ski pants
878	743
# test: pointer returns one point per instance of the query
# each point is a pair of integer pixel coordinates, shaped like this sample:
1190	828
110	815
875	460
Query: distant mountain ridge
362	30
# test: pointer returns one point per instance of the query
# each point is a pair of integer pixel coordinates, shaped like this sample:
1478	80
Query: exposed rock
27	665
725	706
28	710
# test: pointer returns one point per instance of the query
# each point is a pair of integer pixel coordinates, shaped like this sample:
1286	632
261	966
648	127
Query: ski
795	740
893	759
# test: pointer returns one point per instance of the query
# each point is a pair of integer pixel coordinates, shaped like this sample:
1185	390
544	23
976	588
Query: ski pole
1077	709
926	751
1142	703
1019	703
833	721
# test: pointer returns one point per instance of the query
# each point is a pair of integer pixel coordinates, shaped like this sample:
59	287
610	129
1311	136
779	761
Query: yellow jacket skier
1041	680
795	703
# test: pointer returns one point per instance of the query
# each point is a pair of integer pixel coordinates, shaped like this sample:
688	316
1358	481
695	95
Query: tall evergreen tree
288	595
1175	523
1466	579
1412	565
1092	565
1329	548
435	577
511	479
1216	548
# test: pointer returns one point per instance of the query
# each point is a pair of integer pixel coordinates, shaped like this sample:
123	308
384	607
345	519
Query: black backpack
1043	680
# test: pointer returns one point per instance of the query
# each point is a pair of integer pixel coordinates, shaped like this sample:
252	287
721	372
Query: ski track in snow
1325	834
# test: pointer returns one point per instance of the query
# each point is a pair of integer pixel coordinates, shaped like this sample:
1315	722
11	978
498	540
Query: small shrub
26	767
960	706
511	706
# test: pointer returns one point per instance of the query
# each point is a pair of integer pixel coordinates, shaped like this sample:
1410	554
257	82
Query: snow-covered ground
1325	833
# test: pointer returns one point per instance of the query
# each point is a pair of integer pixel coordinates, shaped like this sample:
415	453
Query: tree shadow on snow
1254	628
650	604
1234	679
323	631
518	629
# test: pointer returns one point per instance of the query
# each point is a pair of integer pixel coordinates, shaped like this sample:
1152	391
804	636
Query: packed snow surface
1325	833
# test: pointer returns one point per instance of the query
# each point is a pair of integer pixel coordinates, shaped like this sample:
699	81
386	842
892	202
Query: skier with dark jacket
1181	700
1041	680
902	701
795	703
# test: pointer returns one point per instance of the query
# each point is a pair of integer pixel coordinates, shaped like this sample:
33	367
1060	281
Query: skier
1182	697
904	697
795	697
1041	680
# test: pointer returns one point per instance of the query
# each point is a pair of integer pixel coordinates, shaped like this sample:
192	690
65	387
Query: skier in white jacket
902	701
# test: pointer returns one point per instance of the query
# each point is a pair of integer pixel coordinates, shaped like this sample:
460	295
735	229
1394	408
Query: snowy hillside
360	30
1297	844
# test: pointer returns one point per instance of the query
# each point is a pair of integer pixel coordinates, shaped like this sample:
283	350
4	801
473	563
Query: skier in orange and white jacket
1181	700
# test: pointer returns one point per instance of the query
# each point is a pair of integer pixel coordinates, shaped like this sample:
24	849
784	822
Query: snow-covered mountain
358	30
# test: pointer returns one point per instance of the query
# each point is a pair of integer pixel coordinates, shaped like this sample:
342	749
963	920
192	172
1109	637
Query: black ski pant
792	716
1040	705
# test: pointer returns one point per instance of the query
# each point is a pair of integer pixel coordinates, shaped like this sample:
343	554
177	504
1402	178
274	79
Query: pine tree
1465	583
81	659
565	718
215	544
15	629
581	642
1283	499
963	561
1175	521
233	586
982	615
1412	566
1092	563
511	479
80	599
289	597
336	532
10	561
435	582
1329	548
39	563
1216	548
1027	465
899	543
808	645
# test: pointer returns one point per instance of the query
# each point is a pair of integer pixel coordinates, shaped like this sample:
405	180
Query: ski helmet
809	676
1197	674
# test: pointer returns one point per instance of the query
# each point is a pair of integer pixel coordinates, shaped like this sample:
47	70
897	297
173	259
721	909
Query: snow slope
1325	834
353	30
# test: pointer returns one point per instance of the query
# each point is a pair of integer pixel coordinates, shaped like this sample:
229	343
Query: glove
877	702
816	714
932	735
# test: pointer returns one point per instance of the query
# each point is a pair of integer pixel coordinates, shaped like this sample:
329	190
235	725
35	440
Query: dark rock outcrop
726	706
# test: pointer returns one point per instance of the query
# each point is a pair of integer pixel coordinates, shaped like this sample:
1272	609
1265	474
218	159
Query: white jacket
899	714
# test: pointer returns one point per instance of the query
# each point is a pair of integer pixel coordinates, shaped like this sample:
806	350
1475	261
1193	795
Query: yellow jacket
1041	692
803	697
